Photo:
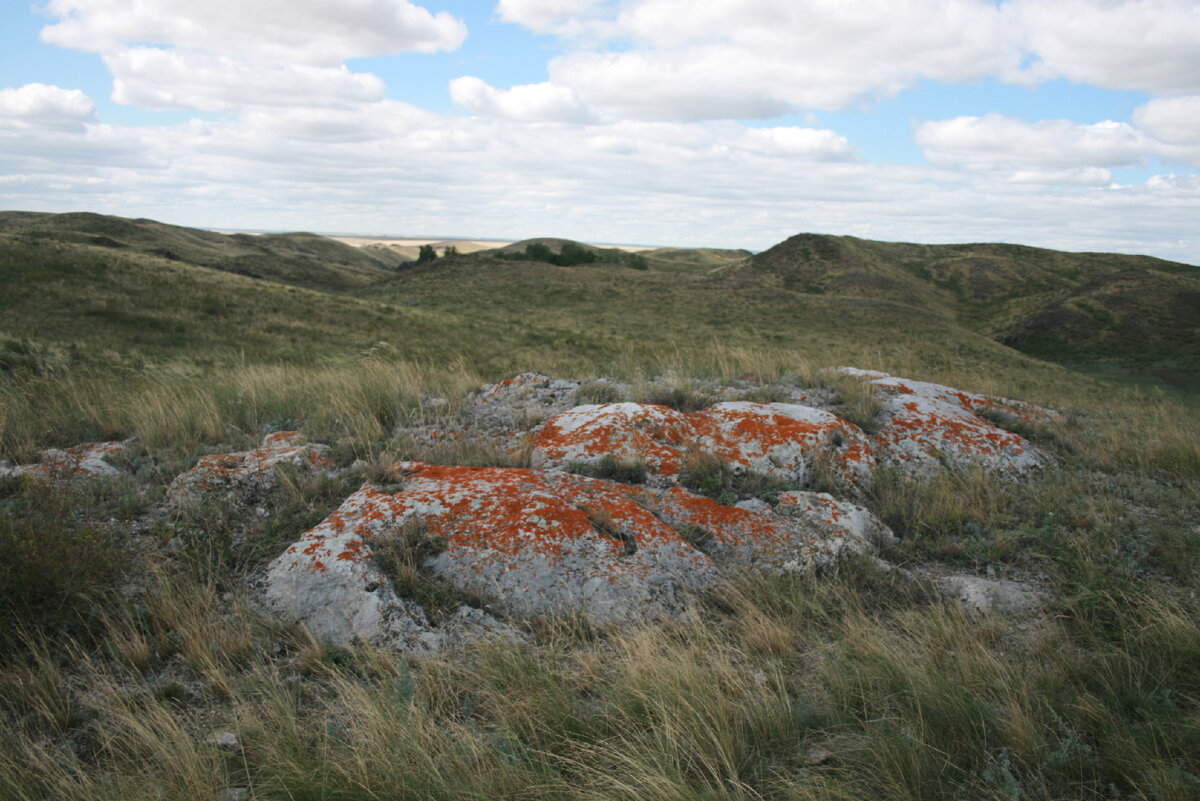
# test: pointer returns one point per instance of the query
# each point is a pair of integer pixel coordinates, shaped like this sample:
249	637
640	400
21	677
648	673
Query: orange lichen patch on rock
626	432
928	426
776	439
789	539
782	439
249	471
820	511
533	541
282	439
83	460
528	541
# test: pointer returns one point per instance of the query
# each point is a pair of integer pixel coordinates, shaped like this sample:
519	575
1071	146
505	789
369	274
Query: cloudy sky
1072	124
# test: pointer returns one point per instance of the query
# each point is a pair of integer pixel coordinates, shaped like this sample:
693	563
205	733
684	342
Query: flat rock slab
534	542
991	596
246	473
780	440
88	459
927	427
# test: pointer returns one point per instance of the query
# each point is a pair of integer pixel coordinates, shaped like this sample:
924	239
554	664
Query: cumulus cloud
559	17
677	59
36	106
166	79
227	54
304	31
538	102
1175	122
652	182
1143	45
737	59
1048	151
806	143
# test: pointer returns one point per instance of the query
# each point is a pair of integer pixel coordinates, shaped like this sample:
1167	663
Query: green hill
1095	310
301	259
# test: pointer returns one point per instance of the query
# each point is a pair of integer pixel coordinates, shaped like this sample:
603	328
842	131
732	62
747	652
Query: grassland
130	631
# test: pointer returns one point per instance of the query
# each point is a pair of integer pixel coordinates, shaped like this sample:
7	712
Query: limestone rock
781	440
927	427
805	531
532	542
522	401
527	541
329	582
88	459
820	511
247	473
988	596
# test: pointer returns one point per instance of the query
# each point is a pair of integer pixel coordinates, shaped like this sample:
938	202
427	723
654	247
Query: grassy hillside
300	259
1084	309
131	632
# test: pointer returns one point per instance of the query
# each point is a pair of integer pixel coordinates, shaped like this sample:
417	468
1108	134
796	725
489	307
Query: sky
1071	124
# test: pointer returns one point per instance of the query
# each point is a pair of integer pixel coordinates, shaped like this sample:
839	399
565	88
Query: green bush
53	568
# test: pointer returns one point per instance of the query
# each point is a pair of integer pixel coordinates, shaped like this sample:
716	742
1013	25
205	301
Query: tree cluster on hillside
572	254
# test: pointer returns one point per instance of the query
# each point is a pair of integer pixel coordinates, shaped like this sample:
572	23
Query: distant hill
693	259
302	259
1102	310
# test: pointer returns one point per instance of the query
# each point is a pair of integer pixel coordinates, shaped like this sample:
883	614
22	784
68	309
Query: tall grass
180	407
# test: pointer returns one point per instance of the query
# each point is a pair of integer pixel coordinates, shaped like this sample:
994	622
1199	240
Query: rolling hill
1094	310
165	290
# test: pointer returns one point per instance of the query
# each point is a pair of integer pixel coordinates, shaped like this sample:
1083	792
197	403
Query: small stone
246	474
233	794
988	596
225	740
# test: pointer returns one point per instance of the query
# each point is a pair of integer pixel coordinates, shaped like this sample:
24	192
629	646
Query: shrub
53	568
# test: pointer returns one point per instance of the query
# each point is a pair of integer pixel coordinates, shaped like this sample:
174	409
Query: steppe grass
851	684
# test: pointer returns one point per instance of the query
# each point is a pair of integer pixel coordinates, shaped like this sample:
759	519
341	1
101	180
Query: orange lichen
765	438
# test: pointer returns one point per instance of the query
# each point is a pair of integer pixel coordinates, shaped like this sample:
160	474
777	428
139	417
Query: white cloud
1142	45
729	59
40	107
303	31
228	54
538	102
1049	151
165	79
1175	122
559	17
766	58
809	143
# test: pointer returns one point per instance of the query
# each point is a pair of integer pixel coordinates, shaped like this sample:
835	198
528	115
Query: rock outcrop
545	540
779	440
804	531
249	473
88	459
927	427
530	542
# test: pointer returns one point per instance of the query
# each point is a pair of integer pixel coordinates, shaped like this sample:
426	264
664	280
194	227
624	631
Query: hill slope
300	258
1087	309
